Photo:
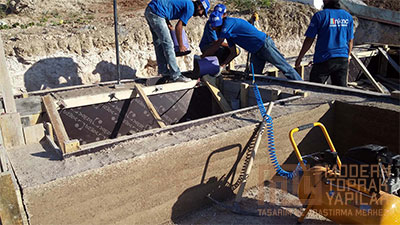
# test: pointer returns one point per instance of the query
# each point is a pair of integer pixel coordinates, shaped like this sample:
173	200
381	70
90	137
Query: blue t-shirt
173	9
209	36
239	31
334	28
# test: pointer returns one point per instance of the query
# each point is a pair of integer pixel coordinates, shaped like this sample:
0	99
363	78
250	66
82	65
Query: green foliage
43	20
4	27
249	5
52	18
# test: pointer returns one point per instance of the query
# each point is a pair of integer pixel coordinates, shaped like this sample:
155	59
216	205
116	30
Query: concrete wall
357	125
162	185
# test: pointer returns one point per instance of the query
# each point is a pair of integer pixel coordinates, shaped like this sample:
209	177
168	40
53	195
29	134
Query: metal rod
116	40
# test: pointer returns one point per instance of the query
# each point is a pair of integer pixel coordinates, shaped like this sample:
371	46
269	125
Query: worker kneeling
210	37
240	32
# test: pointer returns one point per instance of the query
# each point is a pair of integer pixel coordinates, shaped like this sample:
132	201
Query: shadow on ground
108	71
52	73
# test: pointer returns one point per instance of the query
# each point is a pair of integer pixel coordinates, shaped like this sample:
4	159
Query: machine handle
308	126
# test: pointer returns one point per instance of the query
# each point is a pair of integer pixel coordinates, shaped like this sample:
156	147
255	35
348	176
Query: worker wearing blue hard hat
262	48
210	36
158	14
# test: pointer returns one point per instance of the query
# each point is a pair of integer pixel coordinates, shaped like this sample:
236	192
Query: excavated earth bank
72	43
65	43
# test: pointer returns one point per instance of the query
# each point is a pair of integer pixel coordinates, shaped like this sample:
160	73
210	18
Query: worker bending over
157	13
210	37
334	28
262	48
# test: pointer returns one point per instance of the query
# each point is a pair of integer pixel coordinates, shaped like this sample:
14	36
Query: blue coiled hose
270	134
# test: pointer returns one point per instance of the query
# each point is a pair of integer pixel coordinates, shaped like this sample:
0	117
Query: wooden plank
383	64
33	134
273	73
9	208
56	121
301	93
216	93
4	164
302	71
367	73
383	44
71	146
366	54
395	94
125	94
388	58
149	105
5	83
244	95
11	130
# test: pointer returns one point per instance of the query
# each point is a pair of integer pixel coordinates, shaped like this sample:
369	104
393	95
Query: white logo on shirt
338	22
204	5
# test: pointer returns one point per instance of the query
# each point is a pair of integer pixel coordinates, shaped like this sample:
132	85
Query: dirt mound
44	40
384	4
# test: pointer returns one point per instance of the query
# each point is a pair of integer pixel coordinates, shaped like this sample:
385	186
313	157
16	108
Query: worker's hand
221	68
182	48
170	27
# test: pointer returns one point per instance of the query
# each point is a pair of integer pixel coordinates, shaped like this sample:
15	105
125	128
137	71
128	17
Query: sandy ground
278	207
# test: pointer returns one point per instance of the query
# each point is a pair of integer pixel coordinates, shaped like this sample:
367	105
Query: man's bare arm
306	46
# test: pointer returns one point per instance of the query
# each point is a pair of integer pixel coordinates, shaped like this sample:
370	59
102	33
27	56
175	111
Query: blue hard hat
215	19
221	8
206	5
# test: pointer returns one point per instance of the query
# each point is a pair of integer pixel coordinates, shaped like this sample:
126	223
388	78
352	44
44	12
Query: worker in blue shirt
334	30
210	36
158	14
262	48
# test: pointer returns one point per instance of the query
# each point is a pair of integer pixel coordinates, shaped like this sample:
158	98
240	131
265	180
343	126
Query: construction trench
148	174
145	152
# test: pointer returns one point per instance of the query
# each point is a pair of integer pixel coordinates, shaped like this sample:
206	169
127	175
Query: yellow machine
342	198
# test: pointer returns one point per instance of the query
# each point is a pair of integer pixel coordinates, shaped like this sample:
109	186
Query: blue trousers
163	45
269	53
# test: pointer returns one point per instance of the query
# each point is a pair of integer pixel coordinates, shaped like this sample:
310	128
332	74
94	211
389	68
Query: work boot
182	78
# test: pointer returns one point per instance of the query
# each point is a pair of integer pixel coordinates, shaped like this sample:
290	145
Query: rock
19	6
